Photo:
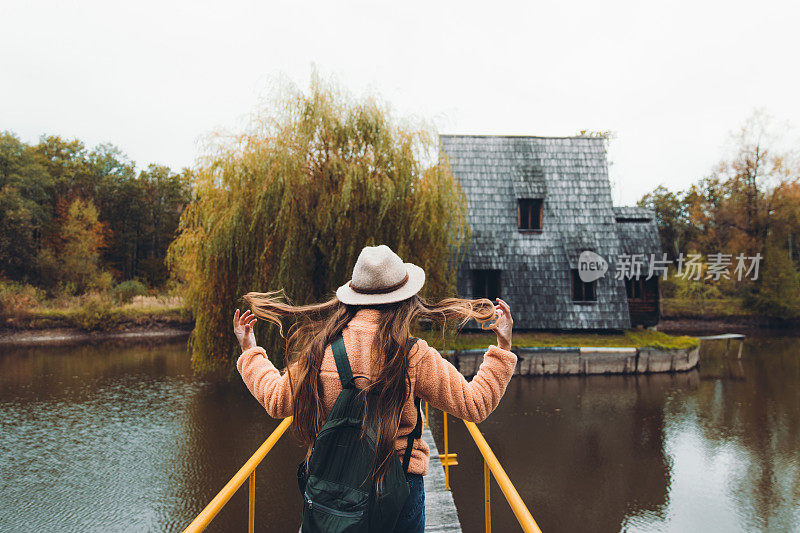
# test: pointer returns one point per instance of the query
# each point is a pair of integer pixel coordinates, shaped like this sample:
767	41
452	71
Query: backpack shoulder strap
342	363
417	431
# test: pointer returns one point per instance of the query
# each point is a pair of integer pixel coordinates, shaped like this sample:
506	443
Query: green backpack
338	493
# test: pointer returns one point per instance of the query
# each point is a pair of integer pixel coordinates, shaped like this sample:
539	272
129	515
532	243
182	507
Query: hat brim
416	279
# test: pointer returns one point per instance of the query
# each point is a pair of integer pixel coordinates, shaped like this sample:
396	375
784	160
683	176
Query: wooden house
536	203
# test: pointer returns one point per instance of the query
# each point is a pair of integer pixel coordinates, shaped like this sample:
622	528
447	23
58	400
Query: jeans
412	517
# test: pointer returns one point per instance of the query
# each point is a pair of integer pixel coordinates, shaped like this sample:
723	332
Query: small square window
486	284
529	214
582	291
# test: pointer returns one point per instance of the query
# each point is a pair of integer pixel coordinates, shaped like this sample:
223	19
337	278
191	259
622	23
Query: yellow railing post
202	520
447	459
487	496
521	511
427	424
446	454
251	507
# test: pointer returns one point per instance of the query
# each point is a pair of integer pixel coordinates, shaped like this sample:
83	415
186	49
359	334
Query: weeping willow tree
290	203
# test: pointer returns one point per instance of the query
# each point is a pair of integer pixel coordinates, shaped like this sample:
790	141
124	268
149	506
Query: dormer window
529	214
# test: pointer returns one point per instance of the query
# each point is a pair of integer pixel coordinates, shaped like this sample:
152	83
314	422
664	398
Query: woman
374	313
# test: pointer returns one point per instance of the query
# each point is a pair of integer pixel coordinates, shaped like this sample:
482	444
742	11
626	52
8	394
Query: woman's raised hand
503	325
243	329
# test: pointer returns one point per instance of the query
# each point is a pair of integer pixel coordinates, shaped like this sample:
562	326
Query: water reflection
126	438
735	443
711	450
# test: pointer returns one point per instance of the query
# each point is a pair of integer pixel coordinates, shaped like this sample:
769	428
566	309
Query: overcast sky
672	79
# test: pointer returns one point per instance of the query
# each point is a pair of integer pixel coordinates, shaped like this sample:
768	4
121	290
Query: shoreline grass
531	339
708	309
100	313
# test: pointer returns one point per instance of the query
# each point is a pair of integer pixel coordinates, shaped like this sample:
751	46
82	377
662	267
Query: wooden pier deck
728	337
440	510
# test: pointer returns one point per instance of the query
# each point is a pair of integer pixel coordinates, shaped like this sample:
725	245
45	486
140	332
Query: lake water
116	438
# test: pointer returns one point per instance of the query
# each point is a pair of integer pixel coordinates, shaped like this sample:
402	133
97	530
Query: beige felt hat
381	277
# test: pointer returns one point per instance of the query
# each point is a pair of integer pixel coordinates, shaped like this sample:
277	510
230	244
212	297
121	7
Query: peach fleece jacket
433	379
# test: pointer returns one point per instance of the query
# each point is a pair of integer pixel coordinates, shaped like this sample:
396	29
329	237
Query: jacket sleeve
265	382
439	383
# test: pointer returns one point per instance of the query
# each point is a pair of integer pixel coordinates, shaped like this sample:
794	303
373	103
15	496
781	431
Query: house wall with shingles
638	235
571	174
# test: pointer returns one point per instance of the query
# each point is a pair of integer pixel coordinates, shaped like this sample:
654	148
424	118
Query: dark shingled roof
634	212
571	174
638	232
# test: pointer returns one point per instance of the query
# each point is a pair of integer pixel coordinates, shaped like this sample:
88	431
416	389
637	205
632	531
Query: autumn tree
705	201
72	258
750	204
290	203
754	182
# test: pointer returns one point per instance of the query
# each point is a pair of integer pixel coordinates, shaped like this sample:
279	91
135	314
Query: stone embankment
556	361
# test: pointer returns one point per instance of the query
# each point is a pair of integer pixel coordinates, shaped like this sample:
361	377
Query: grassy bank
25	308
632	338
100	313
708	309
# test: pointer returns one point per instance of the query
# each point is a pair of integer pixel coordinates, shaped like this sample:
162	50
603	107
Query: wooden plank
440	509
608	350
723	336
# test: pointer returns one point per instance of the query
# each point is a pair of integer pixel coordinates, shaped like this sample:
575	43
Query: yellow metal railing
491	467
248	471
